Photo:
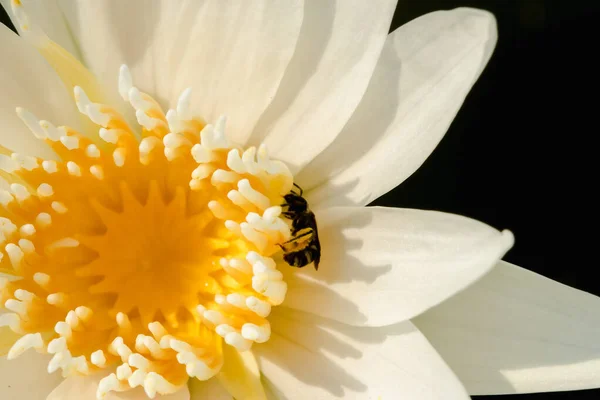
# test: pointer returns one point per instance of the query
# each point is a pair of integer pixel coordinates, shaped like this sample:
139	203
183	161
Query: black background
520	154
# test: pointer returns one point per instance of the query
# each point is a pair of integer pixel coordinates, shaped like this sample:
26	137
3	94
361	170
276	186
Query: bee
304	246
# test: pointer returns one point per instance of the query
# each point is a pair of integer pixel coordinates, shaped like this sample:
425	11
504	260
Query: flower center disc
140	256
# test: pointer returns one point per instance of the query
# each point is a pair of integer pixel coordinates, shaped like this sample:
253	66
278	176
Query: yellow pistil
140	254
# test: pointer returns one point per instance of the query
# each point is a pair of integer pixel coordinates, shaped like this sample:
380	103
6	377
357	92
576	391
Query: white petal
238	54
208	390
48	16
518	332
338	48
26	377
84	387
427	68
150	36
232	54
26	80
312	358
385	265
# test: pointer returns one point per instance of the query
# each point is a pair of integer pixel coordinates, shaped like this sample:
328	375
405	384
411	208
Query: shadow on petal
337	253
312	357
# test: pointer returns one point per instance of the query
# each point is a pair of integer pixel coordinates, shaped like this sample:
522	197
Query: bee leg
288	214
299	188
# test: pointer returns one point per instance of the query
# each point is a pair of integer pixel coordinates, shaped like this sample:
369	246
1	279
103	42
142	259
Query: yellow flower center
140	251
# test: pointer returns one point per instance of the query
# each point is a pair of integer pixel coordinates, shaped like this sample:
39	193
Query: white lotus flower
140	249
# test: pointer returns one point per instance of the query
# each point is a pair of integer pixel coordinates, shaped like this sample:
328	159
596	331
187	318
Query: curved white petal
26	80
313	358
380	266
427	68
26	377
232	54
47	15
518	332
84	387
208	390
338	48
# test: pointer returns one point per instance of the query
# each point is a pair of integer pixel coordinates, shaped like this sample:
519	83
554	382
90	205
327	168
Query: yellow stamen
143	258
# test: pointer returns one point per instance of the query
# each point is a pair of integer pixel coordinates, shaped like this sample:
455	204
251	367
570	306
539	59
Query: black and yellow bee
304	246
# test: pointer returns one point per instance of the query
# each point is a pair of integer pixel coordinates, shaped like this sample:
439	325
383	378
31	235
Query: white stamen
45	190
59	207
81	99
123	321
25	162
274	290
233	227
214	317
119	348
222	176
73	320
110	384
224	329
92	151
70	142
97	116
56	299
237	300
24	295
248	160
119	157
124	371
21	193
184	110
258	334
260	307
202	154
109	135
53	133
139	361
234	161
157	330
98	358
50	166
73	168
136	100
8	164
237	199
27	230
63	329
27	246
147	122
16	306
41	279
125	82
84	313
31	340
15	254
43	220
57	362
97	171
148	144
237	340
12	320
255	197
259	239
32	122
203	171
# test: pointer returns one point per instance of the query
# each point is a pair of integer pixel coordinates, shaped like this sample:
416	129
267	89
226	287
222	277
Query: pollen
140	251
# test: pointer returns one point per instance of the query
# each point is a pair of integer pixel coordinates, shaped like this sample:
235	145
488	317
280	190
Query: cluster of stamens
140	253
